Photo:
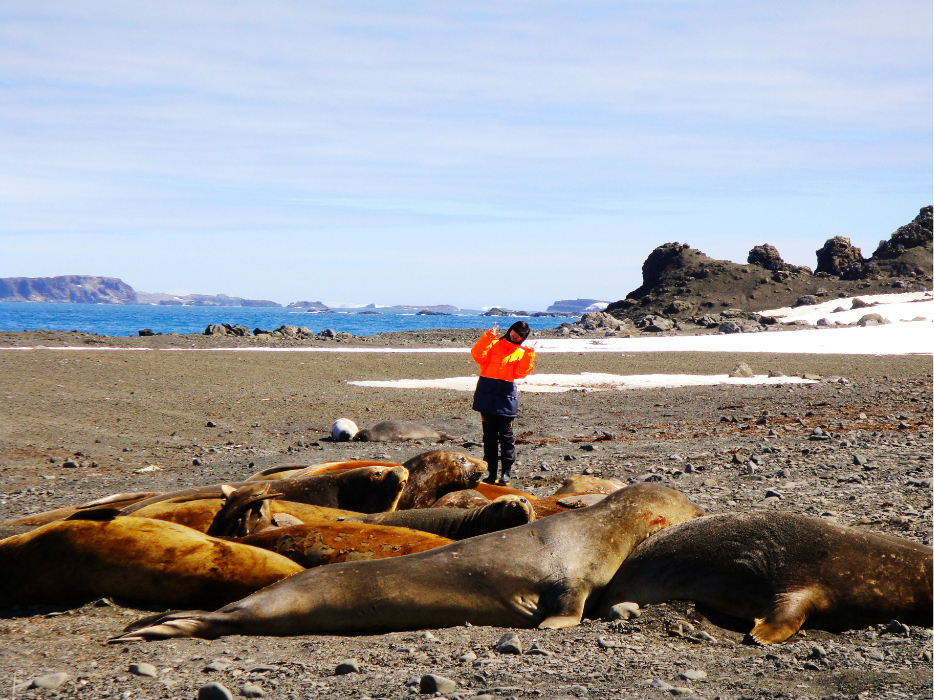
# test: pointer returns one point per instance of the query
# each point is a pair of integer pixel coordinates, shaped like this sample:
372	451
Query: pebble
896	627
605	643
50	681
251	690
430	683
144	669
214	691
693	675
509	643
467	656
347	666
661	685
706	637
680	691
624	611
216	665
811	666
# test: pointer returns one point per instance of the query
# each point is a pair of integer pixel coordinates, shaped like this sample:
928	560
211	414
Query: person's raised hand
495	327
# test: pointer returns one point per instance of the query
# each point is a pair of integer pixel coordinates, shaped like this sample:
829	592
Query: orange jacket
500	359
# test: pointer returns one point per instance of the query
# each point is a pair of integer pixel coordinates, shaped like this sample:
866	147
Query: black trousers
499	442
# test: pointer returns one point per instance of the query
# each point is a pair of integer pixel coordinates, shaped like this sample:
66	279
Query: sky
474	154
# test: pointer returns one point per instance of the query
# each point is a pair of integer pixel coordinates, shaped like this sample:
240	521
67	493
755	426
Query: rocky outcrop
76	289
201	300
576	306
307	305
840	258
679	282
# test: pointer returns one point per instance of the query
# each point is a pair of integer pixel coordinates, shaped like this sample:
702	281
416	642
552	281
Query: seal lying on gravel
588	484
780	571
331	543
117	500
459	523
287	471
543	574
397	430
134	559
364	490
199	515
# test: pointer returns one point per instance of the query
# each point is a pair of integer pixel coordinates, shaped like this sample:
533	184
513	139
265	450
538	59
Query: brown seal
334	542
459	523
200	515
466	498
539	575
287	471
779	571
364	490
588	484
133	559
118	500
397	430
492	491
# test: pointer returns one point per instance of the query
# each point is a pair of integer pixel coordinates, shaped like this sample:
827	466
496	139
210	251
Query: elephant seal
467	498
492	491
326	543
543	574
588	484
397	430
200	515
343	429
51	516
133	559
364	490
436	473
287	471
459	523
779	571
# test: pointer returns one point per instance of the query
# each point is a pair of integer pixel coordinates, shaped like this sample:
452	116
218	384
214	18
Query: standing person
502	361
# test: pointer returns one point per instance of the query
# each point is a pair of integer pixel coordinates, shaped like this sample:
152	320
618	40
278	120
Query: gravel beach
84	423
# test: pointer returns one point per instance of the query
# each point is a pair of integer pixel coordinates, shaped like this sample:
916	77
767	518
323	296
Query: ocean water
118	319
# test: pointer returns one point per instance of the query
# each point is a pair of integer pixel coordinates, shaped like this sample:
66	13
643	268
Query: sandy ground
119	412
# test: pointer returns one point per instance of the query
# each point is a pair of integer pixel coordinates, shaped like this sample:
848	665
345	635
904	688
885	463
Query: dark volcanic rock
767	256
909	250
838	255
78	289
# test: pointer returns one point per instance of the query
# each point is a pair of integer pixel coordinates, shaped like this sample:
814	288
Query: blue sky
465	153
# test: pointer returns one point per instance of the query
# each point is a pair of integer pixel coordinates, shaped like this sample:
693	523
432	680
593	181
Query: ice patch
892	307
587	381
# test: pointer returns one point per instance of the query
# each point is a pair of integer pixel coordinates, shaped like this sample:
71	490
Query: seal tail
189	623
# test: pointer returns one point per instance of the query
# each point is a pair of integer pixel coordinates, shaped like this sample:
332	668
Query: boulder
838	255
216	329
766	256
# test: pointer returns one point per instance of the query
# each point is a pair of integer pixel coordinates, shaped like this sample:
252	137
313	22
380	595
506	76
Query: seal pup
539	575
398	430
343	429
134	559
779	571
327	543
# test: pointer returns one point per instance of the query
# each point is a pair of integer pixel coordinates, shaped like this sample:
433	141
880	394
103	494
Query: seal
459	523
436	473
334	542
343	429
467	498
287	471
588	484
364	490
51	516
780	571
133	559
397	430
492	491
543	574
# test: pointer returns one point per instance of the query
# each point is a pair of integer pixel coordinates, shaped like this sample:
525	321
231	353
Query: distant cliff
577	306
78	289
200	300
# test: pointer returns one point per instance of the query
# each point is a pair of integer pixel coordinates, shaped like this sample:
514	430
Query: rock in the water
214	691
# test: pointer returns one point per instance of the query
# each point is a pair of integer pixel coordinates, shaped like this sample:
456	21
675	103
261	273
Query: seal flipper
567	608
786	616
189	623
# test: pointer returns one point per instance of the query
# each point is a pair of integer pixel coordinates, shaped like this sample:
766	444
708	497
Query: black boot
506	476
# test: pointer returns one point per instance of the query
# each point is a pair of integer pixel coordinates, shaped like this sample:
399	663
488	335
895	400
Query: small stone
214	691
144	669
251	690
196	462
896	627
661	685
817	652
810	666
680	691
211	424
70	464
811	377
347	666
771	493
467	656
742	370
776	373
509	643
706	637
624	611
430	683
605	643
693	675
216	665
51	681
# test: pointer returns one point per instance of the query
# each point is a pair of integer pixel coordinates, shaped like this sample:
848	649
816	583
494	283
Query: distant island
201	300
75	289
577	306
